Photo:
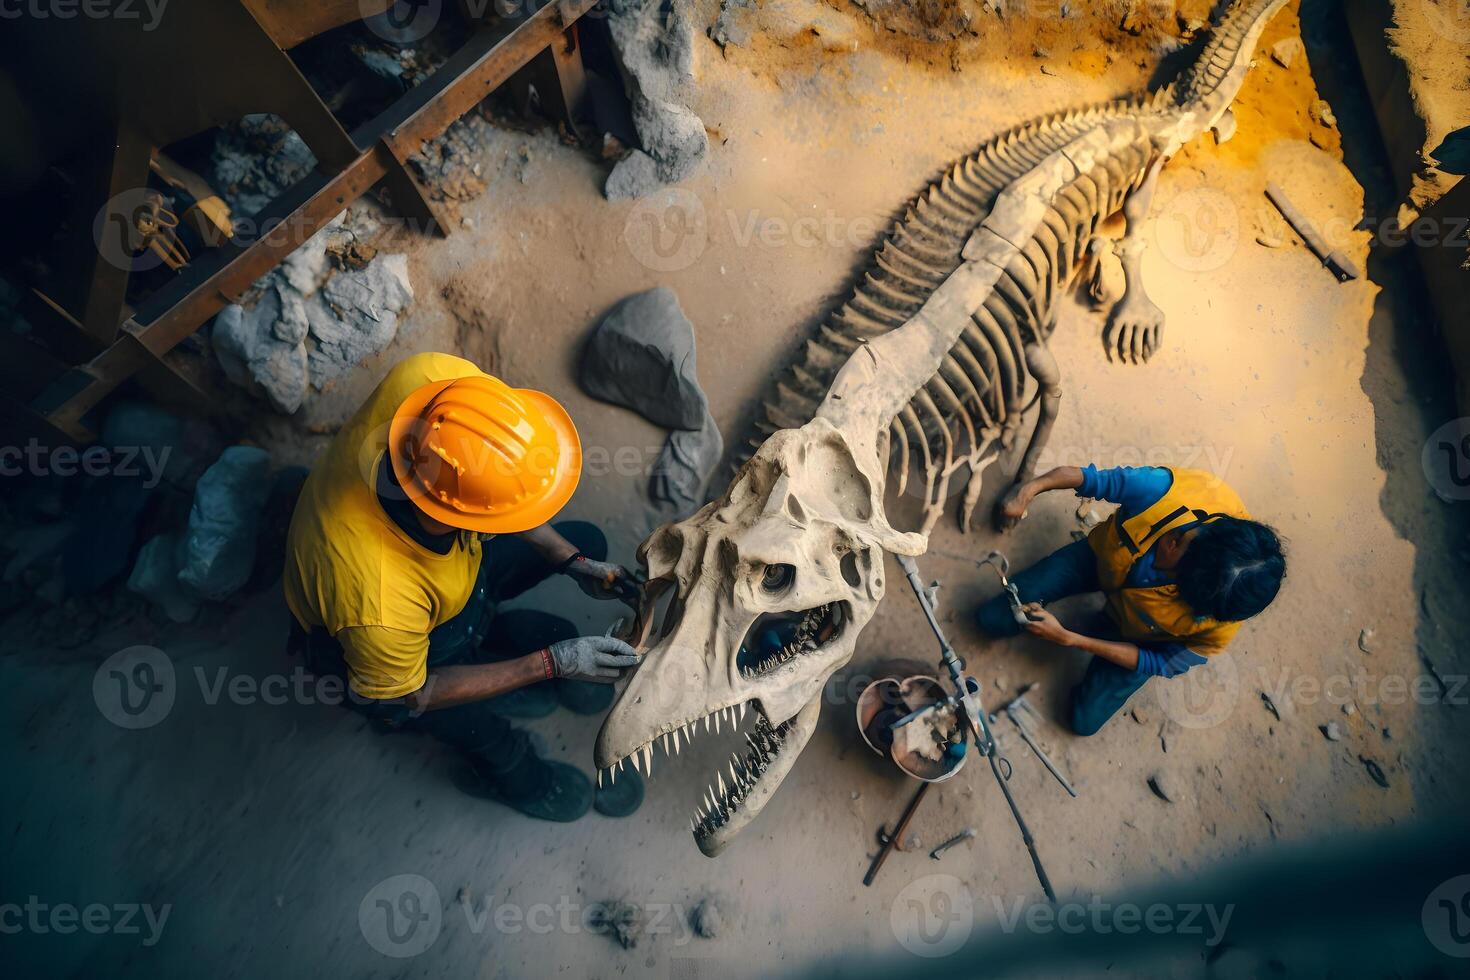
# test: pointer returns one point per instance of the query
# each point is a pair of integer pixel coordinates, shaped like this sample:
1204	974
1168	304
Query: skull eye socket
778	578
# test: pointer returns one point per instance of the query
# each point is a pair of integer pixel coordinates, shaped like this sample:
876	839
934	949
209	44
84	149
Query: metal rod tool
967	696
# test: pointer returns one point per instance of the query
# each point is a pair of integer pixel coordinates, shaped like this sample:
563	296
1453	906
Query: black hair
1232	569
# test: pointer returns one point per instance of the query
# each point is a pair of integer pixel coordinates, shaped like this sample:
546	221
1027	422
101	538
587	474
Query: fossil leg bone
1136	323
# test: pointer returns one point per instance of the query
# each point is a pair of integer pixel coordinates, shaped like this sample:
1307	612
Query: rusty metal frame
175	312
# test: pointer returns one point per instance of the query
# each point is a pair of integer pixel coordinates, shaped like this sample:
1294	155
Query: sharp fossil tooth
612	775
720	779
676	743
741	718
637	758
718	716
599	779
706	723
648	757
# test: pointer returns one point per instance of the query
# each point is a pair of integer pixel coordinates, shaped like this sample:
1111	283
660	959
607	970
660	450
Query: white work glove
591	658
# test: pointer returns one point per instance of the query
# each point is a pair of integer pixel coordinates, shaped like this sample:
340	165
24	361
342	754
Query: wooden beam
161	322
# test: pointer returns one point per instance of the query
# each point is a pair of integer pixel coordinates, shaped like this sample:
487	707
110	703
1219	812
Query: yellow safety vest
1157	613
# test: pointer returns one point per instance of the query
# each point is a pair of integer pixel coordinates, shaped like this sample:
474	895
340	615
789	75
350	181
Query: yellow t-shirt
352	571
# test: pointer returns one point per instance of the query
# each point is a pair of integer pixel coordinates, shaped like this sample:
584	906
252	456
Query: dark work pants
508	567
1068	571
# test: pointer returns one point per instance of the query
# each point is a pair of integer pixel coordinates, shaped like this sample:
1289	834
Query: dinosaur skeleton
767	588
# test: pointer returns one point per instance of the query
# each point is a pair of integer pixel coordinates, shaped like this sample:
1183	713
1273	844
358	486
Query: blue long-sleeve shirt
1135	489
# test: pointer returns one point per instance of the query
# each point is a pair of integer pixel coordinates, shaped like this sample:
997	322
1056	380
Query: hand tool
890	841
1002	566
1337	263
967	695
1017	712
964	835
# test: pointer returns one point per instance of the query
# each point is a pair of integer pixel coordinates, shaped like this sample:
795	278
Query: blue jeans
1068	571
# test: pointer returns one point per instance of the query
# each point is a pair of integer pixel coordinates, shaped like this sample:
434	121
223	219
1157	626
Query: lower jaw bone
802	726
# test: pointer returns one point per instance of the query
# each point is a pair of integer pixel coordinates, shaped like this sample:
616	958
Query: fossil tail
1209	86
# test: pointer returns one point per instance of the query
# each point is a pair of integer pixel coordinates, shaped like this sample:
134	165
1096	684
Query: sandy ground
266	827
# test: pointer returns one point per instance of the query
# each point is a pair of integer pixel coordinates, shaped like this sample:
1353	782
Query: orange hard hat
477	454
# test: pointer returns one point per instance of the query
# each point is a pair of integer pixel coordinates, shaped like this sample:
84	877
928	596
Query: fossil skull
767	589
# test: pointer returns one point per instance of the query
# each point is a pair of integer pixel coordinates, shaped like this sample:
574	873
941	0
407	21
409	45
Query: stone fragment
355	315
1284	51
218	550
706	920
641	356
636	175
155	577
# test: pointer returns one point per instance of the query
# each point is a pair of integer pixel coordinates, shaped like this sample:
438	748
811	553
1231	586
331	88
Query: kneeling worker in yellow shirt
430	506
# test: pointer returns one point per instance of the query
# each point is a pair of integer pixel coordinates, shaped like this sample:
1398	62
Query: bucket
916	753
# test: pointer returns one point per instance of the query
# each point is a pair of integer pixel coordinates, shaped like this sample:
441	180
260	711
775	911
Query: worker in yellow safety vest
1180	565
429	507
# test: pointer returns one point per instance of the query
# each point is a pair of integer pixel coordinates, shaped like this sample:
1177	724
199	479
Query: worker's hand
1012	507
591	658
1045	625
604	580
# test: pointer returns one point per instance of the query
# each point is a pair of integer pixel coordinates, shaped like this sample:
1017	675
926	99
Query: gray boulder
218	549
683	468
291	338
253	353
672	135
653	43
155	577
355	315
636	175
641	356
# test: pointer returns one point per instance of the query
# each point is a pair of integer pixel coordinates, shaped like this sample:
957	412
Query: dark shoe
536	787
534	701
583	697
621	798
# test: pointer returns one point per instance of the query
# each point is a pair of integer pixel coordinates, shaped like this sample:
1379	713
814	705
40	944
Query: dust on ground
267	826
